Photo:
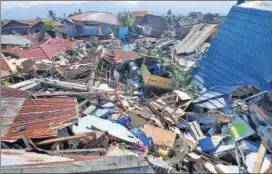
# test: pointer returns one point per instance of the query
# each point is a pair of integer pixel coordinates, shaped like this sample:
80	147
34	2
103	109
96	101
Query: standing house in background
153	25
91	24
18	26
40	25
26	27
197	15
184	26
136	14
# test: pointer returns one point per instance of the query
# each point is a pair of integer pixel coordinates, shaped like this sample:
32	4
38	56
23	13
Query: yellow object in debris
163	153
5	83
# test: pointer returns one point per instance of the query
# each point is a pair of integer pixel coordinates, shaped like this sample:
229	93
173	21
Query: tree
64	15
169	13
50	26
38	18
52	15
79	11
124	18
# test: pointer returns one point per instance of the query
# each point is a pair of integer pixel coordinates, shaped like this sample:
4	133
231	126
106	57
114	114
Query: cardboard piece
160	136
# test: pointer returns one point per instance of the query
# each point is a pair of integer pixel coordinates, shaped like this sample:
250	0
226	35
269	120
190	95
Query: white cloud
26	4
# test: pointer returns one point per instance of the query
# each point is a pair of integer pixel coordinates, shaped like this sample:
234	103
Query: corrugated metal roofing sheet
216	97
11	103
7	92
102	17
10	107
241	52
11	157
41	118
14	40
196	38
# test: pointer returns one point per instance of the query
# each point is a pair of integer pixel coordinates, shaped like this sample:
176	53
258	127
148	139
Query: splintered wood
160	136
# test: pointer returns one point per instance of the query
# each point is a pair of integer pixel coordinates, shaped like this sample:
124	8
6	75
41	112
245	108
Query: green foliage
181	78
124	19
52	15
50	26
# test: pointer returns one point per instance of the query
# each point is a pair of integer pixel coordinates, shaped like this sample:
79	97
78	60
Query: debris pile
106	109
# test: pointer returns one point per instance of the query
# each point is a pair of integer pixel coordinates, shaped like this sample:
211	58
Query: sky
23	4
33	9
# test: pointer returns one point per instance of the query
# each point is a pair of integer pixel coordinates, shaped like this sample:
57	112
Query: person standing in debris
116	76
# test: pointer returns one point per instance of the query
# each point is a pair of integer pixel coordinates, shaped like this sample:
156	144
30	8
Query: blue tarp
147	141
241	52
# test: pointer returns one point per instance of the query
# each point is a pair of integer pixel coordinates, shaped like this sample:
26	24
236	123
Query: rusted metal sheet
11	103
7	92
42	118
10	107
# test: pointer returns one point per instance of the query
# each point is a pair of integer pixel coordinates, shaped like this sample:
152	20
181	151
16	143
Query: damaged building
191	98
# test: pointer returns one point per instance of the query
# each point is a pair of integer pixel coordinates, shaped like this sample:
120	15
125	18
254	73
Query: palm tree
52	15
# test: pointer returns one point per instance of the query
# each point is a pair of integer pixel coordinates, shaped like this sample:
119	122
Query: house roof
141	13
14	40
187	21
195	13
137	21
155	21
48	49
240	54
196	38
28	22
119	55
101	17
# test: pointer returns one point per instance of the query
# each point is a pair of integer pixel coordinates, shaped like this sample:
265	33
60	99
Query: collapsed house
227	66
105	109
189	50
47	50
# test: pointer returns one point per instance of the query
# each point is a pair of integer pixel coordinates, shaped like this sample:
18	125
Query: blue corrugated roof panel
241	52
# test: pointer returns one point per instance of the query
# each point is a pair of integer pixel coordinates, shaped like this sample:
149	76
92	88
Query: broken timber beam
55	140
63	85
75	93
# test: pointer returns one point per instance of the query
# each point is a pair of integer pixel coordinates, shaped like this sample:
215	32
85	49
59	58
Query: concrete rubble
96	102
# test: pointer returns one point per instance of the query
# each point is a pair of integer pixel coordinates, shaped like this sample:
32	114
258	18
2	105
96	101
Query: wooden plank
75	93
210	167
54	140
195	129
261	153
